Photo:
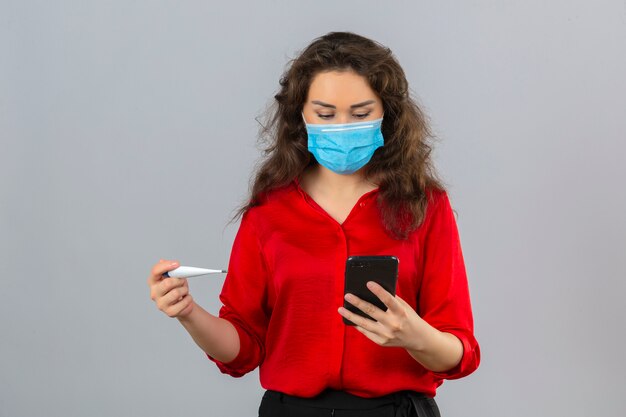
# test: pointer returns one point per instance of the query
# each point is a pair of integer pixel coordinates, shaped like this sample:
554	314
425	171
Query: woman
348	172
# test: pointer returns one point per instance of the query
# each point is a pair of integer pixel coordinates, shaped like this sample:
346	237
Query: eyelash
358	116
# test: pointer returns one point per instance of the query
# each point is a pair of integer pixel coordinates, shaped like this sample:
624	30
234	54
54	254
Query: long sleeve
244	296
444	299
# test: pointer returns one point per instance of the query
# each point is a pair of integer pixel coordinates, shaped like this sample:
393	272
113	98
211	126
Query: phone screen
382	269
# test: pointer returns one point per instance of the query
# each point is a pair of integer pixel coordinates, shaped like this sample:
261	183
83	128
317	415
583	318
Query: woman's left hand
399	326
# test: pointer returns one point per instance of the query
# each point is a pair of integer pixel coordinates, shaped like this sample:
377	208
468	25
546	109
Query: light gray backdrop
127	135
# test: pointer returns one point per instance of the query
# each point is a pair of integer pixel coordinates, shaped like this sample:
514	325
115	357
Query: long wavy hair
402	168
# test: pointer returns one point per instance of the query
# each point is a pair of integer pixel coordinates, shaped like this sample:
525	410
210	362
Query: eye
324	116
362	116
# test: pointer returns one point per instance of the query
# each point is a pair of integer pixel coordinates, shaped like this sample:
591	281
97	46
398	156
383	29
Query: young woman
348	172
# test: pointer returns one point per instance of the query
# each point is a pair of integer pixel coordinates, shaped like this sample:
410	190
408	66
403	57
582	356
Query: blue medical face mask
345	147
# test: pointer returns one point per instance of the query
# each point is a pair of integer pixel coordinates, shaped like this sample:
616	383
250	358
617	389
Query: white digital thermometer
191	271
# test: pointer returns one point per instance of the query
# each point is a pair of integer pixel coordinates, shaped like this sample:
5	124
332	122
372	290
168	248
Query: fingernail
174	264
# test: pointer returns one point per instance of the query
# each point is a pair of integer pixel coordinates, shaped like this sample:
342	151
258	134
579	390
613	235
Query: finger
156	274
385	296
176	309
173	296
368	308
374	337
186	303
167	285
163	266
358	320
177	294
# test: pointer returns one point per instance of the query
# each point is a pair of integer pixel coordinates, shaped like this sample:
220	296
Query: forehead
340	87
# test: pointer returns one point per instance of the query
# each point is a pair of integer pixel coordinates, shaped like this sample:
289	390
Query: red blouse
285	282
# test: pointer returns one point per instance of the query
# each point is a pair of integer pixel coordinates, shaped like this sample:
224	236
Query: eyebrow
332	106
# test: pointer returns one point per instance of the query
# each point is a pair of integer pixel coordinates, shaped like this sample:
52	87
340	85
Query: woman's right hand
171	295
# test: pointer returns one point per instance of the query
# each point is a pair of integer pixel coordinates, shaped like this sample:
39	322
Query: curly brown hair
402	168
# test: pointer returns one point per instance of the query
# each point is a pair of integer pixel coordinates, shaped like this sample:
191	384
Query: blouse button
362	204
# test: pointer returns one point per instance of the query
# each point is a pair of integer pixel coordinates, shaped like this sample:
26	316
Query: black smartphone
381	269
